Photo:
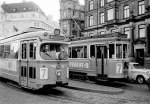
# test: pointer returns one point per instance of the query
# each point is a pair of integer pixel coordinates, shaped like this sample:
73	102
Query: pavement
93	87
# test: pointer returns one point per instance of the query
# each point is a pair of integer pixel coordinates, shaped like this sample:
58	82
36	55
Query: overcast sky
48	6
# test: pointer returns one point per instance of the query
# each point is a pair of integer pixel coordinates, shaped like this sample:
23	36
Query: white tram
100	57
34	59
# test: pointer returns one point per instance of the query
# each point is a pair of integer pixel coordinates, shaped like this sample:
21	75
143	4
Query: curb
119	91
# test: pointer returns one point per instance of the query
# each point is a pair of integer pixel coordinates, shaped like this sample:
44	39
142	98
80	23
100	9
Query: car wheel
140	79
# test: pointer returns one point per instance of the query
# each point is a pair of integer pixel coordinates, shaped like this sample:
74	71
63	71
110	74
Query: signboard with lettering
79	65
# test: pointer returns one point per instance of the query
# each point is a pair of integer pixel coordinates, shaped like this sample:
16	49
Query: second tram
101	57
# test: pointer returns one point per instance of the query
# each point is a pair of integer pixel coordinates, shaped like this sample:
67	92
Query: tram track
66	99
52	93
112	85
59	94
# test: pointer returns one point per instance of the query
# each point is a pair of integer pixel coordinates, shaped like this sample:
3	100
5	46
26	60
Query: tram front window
54	51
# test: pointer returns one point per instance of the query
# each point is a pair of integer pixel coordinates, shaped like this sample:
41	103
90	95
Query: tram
101	57
35	59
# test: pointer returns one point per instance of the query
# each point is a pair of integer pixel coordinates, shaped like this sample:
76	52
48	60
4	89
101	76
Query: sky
50	7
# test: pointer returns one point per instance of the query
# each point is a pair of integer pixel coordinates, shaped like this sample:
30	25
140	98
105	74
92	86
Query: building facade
16	17
71	17
131	17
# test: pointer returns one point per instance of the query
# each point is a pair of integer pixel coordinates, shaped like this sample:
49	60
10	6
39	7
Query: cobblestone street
13	95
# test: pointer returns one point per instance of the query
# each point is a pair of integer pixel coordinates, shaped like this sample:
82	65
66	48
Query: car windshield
137	66
54	51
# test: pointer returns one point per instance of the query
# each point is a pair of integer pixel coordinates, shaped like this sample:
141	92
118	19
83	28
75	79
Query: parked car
138	73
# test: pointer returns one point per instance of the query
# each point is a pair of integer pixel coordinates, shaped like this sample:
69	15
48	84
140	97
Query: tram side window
79	52
74	52
70	55
124	50
14	48
85	52
105	52
92	51
118	50
99	51
1	50
111	50
6	51
24	71
32	72
24	49
32	51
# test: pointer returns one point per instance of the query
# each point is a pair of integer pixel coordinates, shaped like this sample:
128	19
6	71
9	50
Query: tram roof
32	33
101	38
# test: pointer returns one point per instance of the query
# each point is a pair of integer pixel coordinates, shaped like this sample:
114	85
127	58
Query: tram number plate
43	73
119	68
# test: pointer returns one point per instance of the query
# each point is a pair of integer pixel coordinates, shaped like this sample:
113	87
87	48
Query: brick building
131	17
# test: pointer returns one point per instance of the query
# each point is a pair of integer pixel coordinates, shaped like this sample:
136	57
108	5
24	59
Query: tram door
24	64
101	54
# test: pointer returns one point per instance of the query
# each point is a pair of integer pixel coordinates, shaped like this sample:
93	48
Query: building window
126	11
110	14
91	34
102	3
113	31
109	0
141	6
141	31
127	32
91	20
91	5
102	32
102	18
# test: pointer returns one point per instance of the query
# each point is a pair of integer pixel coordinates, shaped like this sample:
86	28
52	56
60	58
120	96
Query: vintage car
138	73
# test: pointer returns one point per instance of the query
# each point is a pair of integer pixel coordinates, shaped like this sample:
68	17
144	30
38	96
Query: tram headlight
58	73
44	73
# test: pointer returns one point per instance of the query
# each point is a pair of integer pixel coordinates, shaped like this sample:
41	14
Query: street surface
131	94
